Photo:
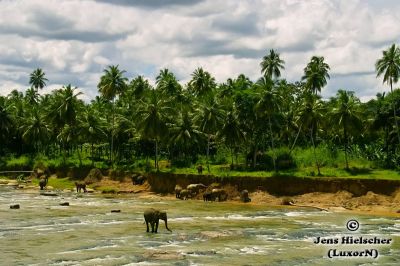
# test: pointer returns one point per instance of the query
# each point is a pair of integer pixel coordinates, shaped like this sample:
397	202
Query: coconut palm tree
268	106
32	97
152	123
389	66
316	74
37	79
272	64
311	113
93	128
6	122
111	84
209	117
184	134
35	129
202	82
231	132
167	83
69	104
346	115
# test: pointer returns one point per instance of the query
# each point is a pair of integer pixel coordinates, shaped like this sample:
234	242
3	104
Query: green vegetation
267	127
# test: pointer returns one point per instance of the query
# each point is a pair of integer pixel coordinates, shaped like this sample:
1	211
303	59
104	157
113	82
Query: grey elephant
178	190
185	194
218	194
199	169
43	182
195	188
244	196
207	196
80	186
152	216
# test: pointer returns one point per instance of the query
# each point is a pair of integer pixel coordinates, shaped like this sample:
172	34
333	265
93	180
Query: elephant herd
210	193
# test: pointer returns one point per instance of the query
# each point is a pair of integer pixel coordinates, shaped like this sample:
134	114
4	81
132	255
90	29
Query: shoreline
342	201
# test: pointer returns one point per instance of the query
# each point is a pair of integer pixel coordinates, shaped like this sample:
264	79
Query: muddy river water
42	232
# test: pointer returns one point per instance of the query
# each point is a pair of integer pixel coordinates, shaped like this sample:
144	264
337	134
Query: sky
73	41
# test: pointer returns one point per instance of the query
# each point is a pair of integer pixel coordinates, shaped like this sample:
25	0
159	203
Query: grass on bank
332	165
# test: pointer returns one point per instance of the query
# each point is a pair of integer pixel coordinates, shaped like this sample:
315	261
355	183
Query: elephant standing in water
244	196
152	216
178	190
43	182
80	185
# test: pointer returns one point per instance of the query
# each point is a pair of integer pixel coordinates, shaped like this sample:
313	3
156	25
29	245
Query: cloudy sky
74	40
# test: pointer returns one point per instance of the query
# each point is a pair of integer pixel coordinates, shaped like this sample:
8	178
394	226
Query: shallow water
86	233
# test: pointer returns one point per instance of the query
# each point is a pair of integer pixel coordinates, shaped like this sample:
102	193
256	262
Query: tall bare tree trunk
272	143
394	113
315	154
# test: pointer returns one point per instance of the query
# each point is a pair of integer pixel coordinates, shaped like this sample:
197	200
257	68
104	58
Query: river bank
340	201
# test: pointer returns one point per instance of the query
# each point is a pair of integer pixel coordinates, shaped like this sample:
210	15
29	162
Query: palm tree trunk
394	113
315	154
156	159
91	153
208	152
232	158
112	135
272	143
255	155
345	145
295	140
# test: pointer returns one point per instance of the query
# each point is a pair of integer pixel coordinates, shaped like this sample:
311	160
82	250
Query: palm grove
268	124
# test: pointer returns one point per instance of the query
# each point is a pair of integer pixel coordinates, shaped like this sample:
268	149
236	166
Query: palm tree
153	120
231	132
209	118
111	84
268	106
316	74
184	134
202	82
389	66
93	128
69	104
168	84
346	115
35	129
5	122
37	79
310	114
32	96
271	65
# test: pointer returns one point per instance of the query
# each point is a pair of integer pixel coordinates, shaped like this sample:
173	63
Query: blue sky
73	41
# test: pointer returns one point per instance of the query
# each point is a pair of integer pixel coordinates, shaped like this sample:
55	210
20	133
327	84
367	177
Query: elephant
207	196
195	188
140	180
43	181
178	190
218	193
244	196
185	194
152	216
80	185
199	169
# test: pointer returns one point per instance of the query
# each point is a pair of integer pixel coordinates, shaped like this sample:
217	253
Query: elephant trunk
166	225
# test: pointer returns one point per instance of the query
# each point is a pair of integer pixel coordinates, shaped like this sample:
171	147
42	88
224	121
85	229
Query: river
42	232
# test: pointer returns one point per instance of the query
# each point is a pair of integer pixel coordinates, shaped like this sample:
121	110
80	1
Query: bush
94	175
284	160
19	163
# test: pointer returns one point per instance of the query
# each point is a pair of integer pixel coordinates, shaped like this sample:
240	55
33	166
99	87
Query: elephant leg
152	226
147	226
156	225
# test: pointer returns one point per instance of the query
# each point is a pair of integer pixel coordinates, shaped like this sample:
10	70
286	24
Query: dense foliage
247	124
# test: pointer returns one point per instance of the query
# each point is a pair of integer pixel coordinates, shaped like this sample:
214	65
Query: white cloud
73	41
